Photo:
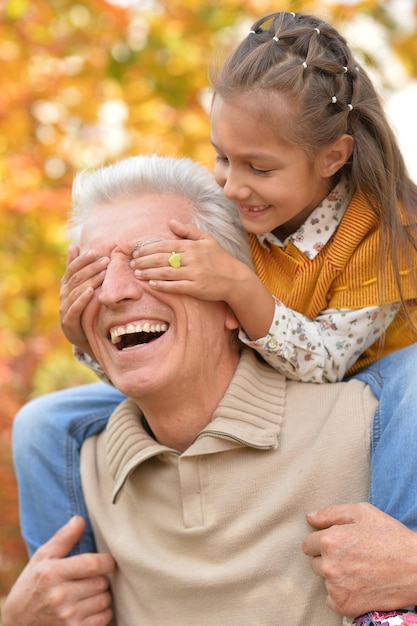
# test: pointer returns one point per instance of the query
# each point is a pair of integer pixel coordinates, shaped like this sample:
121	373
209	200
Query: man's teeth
130	329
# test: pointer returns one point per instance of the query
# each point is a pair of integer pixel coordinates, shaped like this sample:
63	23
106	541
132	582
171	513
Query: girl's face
272	183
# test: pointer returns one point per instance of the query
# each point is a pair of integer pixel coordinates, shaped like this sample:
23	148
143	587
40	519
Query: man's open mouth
136	333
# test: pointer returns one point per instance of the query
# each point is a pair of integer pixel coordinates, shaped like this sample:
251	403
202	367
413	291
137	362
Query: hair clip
334	99
317	30
292	13
275	38
304	64
252	32
350	106
345	69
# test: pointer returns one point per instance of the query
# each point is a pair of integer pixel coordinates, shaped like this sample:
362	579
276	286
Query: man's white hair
211	211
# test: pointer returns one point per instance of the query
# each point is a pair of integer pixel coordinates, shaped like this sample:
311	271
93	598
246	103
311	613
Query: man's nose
119	283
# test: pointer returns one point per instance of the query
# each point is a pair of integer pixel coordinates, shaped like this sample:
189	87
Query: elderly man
200	484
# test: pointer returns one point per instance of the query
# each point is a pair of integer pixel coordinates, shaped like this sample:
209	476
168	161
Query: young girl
305	151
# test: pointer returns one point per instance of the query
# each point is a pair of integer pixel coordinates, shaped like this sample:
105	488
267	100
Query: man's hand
53	590
367	558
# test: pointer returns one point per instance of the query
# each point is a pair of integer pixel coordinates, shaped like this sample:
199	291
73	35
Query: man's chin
136	384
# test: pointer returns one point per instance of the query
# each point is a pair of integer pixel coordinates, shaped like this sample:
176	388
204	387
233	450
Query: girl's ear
335	156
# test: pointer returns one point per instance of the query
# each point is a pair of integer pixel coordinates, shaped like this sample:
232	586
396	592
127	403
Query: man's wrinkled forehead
126	246
131	223
129	244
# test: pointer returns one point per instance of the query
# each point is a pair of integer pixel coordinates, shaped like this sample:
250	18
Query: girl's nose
235	187
119	283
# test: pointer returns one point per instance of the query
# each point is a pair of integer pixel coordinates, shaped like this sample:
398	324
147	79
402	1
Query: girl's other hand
83	275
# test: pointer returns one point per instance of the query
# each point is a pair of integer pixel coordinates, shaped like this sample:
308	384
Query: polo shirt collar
249	414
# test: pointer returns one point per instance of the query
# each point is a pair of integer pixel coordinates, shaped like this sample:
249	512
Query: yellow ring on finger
175	260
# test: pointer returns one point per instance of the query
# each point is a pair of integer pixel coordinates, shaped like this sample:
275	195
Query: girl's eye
260	172
220	159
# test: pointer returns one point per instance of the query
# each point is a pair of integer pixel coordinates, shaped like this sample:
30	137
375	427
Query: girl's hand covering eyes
206	270
83	275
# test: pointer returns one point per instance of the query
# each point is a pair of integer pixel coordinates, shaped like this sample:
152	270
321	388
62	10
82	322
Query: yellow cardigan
345	274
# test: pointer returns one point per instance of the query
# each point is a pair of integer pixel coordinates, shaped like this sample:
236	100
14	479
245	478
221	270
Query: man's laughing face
146	340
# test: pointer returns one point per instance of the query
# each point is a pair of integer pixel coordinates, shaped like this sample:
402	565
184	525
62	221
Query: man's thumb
63	541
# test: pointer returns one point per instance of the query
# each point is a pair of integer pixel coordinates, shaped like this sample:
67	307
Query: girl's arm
319	350
323	349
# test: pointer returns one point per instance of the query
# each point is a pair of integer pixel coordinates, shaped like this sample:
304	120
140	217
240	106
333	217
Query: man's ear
333	158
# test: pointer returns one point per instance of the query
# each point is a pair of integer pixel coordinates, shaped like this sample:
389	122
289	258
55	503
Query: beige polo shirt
212	536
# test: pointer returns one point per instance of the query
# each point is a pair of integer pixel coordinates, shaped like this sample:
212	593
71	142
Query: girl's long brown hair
327	94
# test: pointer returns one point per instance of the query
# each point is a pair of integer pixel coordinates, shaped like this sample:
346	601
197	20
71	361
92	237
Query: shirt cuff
88	361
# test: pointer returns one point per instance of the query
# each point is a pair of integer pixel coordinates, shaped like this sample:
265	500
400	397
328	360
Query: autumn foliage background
84	83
